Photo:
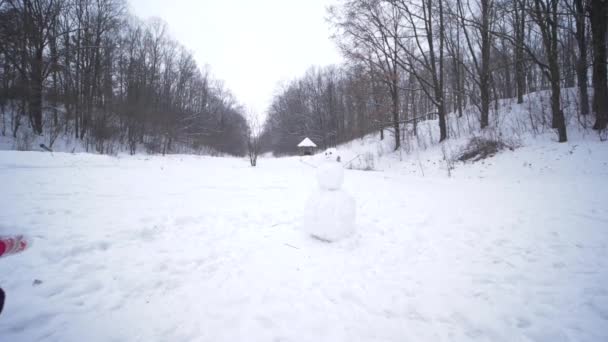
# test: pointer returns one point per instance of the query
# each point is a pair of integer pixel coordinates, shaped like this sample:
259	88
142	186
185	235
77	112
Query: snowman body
330	211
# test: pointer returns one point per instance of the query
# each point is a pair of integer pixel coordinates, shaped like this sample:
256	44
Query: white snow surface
186	248
330	215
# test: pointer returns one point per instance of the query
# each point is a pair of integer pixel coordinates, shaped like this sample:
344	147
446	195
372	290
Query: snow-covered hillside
524	128
26	141
185	248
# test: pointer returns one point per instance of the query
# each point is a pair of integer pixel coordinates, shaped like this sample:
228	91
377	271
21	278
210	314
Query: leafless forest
413	60
89	70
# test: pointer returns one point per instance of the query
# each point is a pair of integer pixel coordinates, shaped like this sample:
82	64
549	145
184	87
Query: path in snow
207	249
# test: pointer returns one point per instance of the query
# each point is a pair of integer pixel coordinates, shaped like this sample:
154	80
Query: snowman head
331	154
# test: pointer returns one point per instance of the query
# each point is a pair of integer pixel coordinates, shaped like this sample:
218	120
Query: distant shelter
307	147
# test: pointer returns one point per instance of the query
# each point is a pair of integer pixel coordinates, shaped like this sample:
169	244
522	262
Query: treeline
89	70
412	60
329	105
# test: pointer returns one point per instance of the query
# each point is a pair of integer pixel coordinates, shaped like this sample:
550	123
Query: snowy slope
524	127
184	248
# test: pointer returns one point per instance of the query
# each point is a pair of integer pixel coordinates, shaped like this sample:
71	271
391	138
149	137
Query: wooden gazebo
307	147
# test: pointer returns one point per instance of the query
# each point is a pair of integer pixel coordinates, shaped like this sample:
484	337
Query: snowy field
185	248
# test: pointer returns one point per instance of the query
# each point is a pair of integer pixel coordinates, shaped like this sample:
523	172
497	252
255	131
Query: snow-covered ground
185	248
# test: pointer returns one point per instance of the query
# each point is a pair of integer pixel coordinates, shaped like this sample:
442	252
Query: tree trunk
508	87
443	131
395	99
569	74
520	72
395	110
600	84
558	120
558	114
36	92
581	63
484	75
456	84
545	15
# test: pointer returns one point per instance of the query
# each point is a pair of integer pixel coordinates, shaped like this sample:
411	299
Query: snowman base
329	215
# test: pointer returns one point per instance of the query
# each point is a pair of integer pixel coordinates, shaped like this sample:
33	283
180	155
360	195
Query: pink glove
12	244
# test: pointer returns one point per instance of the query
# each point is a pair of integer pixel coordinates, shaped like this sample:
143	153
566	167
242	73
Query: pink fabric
12	244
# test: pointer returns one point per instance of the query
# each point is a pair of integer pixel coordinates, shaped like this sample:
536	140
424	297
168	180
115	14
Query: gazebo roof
307	143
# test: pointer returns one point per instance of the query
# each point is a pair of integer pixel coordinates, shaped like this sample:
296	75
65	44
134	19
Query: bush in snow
363	162
480	148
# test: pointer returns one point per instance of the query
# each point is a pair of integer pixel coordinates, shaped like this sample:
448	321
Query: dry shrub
480	148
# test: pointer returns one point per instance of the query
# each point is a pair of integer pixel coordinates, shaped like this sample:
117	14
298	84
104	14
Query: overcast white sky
250	44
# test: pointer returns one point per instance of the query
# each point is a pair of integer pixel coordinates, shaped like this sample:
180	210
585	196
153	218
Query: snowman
330	211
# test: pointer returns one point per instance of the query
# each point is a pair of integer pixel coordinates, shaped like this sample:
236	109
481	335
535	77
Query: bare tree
581	62
25	41
519	27
369	31
599	11
545	14
253	138
89	69
478	28
425	22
